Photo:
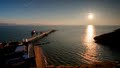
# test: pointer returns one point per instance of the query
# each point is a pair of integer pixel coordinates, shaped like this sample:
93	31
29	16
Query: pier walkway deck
39	36
39	57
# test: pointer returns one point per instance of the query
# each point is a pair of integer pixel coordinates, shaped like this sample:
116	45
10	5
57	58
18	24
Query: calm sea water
70	45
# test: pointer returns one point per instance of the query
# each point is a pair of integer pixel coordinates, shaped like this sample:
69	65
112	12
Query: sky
60	12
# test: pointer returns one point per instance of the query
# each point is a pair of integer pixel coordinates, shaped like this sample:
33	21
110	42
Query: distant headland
112	39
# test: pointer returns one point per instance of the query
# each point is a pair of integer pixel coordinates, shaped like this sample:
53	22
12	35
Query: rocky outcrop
111	39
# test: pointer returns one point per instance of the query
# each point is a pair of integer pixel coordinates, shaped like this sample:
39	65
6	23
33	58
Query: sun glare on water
90	54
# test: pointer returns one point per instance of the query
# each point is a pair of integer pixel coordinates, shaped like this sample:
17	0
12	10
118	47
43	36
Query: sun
90	16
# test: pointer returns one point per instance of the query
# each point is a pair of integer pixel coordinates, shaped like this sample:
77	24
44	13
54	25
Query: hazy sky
60	12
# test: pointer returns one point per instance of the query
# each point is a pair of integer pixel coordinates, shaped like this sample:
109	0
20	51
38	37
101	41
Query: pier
39	36
38	54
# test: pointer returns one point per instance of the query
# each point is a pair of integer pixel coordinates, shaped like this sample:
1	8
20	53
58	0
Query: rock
111	39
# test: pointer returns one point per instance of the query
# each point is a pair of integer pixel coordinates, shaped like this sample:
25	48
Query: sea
69	45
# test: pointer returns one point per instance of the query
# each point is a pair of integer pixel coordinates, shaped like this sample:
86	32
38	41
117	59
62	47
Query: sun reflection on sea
90	52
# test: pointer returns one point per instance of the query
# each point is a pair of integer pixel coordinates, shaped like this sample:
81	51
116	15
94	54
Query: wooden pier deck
40	63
